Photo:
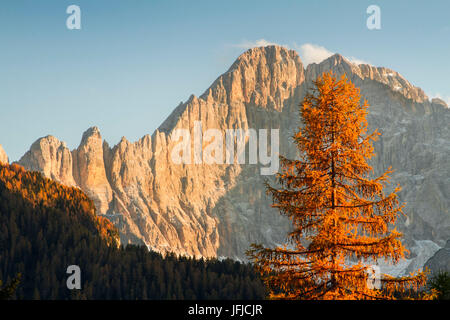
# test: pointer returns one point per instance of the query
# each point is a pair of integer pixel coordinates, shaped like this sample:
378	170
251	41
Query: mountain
215	210
45	227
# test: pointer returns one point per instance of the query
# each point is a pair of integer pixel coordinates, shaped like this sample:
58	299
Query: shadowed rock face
219	209
440	260
89	169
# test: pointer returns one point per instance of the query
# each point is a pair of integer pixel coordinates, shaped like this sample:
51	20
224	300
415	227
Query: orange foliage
338	212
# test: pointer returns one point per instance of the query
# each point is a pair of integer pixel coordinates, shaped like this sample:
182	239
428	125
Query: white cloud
442	97
357	61
311	53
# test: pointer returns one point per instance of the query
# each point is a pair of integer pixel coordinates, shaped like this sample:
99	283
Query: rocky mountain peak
336	59
89	169
359	73
3	155
52	157
439	101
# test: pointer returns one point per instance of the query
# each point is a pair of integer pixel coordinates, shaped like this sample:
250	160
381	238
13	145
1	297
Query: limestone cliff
440	261
3	156
51	157
219	209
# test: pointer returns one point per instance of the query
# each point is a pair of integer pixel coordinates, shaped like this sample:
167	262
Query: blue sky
134	61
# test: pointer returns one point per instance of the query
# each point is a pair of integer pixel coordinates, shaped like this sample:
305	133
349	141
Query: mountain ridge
218	210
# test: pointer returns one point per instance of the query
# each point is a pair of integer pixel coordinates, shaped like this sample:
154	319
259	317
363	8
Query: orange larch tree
341	218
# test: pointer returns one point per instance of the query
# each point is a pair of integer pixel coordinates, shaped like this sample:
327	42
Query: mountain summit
218	210
3	155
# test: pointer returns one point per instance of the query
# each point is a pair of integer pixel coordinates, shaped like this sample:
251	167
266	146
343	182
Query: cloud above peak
311	53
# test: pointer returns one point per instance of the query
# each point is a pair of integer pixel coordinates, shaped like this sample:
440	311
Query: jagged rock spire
3	155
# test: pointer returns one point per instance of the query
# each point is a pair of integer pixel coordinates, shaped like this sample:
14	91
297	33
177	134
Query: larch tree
342	220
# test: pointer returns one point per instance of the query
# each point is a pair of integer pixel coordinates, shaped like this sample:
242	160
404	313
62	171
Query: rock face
3	156
89	169
219	209
51	157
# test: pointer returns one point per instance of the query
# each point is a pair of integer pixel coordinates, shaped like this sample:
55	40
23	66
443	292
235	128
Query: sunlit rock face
220	209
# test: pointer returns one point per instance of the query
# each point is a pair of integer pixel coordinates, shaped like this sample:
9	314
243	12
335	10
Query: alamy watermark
74	280
374	20
74	20
208	147
374	277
